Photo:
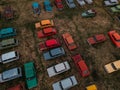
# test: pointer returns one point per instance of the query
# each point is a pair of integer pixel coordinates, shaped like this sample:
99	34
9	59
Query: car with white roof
111	2
65	84
10	74
9	57
81	2
57	69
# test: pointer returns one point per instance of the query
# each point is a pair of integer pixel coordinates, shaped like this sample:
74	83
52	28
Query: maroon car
46	32
96	39
59	4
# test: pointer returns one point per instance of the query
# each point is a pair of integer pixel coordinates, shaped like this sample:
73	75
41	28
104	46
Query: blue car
47	5
53	53
7	32
36	8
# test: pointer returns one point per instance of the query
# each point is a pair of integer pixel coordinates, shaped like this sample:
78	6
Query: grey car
10	74
70	3
65	84
59	68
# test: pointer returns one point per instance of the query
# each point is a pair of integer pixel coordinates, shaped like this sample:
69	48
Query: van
9	57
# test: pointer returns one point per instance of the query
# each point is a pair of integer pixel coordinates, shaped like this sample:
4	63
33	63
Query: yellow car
112	67
44	23
91	87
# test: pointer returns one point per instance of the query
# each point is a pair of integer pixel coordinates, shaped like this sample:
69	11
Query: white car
65	84
10	74
9	57
89	1
59	68
111	2
81	2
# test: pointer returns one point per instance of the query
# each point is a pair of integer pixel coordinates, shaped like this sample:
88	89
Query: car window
113	66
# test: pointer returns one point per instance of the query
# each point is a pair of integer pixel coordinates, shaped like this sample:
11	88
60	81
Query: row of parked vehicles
59	4
7	36
52	48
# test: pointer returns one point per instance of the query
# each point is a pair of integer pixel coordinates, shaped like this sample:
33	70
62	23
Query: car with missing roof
46	32
115	38
8	43
10	74
112	67
48	44
7	32
58	69
44	23
54	53
70	3
59	4
36	8
70	43
81	65
30	74
65	84
9	57
99	38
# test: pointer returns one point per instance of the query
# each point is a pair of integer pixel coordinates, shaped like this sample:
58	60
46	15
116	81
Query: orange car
44	23
69	41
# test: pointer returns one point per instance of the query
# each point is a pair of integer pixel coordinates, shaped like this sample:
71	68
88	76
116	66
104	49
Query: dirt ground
68	20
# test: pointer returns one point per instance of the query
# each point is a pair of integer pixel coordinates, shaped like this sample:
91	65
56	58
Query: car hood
32	83
56	86
47	56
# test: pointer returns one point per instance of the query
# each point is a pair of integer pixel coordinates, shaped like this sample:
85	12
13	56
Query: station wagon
8	43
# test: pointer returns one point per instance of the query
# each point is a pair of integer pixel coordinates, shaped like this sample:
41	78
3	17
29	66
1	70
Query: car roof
10	73
48	30
51	42
8	55
91	87
60	67
116	36
6	30
55	51
29	72
44	22
66	83
69	40
8	41
82	65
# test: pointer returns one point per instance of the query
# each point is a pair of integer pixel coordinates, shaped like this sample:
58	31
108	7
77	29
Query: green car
30	74
115	9
89	13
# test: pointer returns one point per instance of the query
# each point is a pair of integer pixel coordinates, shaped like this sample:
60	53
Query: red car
81	65
115	37
17	87
59	4
46	32
48	44
96	39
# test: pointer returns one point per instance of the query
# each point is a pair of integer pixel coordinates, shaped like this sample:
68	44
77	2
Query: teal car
89	13
30	74
115	9
7	32
47	6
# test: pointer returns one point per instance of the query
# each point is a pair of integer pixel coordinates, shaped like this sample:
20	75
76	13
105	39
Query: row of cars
59	4
52	48
7	36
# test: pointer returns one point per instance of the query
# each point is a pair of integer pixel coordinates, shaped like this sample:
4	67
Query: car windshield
112	64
